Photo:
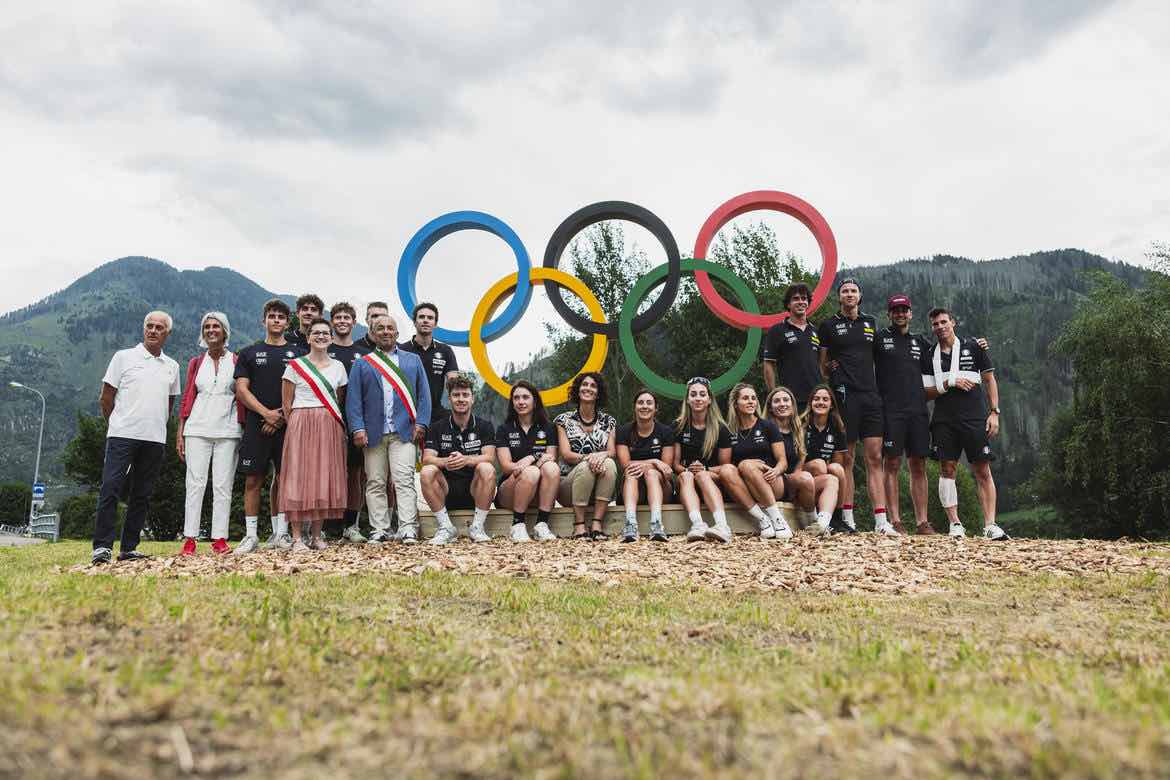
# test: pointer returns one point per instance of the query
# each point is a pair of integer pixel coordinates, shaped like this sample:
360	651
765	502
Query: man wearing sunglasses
792	347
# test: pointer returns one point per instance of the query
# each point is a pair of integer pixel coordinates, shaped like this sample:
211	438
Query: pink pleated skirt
312	472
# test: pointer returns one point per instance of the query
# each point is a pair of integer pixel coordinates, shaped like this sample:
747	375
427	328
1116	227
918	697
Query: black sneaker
659	537
628	539
133	555
839	526
101	556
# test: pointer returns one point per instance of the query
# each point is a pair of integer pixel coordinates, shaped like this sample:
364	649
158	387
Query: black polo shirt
898	363
823	444
690	445
957	405
521	443
649	447
437	360
794	351
790	457
850	343
755	442
446	438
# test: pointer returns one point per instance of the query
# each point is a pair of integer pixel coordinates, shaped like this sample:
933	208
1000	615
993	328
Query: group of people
332	423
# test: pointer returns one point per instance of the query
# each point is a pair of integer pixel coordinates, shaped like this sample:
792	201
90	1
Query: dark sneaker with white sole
133	555
101	556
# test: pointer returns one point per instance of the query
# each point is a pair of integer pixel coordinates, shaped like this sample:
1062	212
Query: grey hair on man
165	318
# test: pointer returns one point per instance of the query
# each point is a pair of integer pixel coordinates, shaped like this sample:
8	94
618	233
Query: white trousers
220	456
391	459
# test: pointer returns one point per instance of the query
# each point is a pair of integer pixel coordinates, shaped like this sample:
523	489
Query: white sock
695	517
250	524
632	515
755	511
655	517
847	516
824	518
879	519
773	512
442	519
948	492
480	516
720	518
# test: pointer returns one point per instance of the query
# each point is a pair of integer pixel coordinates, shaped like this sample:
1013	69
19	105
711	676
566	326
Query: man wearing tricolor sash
388	408
959	378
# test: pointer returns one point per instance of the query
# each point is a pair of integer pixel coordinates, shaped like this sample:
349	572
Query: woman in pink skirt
313	475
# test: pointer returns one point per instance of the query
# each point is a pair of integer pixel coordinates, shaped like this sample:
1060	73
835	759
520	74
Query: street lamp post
40	438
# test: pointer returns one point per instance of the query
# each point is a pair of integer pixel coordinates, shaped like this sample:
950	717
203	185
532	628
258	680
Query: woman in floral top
587	449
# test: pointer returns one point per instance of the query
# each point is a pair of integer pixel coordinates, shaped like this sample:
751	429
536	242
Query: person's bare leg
524	488
985	484
847	477
875	476
947	470
550	476
891	465
828	486
434	487
729	477
654	480
688	493
483	486
753	477
918	492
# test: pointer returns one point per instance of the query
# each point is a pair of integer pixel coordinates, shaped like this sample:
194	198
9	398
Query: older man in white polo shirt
138	392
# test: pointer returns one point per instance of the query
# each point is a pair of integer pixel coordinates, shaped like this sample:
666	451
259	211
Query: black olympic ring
599	212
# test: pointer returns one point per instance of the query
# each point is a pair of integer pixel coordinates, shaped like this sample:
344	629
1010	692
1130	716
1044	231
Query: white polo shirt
145	384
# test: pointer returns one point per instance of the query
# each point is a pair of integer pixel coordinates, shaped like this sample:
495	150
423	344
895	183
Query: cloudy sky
304	143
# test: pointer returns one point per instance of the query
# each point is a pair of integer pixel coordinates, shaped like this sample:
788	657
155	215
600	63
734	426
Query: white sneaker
543	533
476	533
957	531
353	534
698	531
886	529
519	533
407	535
444	535
995	533
781	530
378	537
766	529
271	543
720	532
284	542
247	545
299	547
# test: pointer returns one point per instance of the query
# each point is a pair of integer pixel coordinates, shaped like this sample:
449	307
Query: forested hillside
61	344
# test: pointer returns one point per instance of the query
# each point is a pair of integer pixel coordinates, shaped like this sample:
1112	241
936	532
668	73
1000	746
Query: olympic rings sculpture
486	326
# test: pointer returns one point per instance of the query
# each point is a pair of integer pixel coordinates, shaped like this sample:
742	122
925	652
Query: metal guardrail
13	530
45	527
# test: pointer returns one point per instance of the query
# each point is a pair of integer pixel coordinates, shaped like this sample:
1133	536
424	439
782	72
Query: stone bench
674	520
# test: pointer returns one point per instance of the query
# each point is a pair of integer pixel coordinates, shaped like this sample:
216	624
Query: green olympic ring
657	276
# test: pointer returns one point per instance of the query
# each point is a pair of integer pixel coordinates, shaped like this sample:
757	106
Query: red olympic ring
754	201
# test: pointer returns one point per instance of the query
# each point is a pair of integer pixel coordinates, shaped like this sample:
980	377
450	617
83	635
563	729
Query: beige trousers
393	459
581	487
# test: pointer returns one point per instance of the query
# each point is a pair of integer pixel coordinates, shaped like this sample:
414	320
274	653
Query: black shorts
949	440
906	434
862	413
458	493
257	449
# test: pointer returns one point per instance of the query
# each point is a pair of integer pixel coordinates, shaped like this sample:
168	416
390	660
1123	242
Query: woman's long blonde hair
714	420
733	396
794	423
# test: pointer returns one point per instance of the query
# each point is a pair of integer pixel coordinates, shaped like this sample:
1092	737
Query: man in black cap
898	356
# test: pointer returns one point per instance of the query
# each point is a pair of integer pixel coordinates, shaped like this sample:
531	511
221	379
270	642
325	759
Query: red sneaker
220	547
188	547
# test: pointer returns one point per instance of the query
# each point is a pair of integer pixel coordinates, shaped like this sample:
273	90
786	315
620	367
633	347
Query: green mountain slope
62	344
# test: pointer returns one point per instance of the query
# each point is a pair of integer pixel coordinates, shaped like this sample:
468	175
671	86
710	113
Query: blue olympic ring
450	223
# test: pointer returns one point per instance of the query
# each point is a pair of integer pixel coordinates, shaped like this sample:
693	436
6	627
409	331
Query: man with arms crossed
138	392
459	464
954	374
846	359
258	389
388	408
792	348
342	316
438	359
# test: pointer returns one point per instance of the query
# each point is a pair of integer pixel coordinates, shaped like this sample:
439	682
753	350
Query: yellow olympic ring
491	301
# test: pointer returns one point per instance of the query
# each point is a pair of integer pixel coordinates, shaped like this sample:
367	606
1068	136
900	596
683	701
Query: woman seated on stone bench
702	462
645	451
799	486
757	450
527	453
586	447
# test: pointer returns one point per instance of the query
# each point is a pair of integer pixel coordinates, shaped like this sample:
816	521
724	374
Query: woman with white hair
209	432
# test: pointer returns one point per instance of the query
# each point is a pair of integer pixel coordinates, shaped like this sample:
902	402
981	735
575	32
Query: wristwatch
995	410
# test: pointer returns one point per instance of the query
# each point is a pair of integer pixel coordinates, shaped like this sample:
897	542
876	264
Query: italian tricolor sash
319	385
393	374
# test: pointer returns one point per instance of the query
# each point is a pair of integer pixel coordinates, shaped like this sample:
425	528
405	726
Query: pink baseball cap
898	300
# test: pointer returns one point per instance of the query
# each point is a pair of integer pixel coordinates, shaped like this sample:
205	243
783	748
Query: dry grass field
845	657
